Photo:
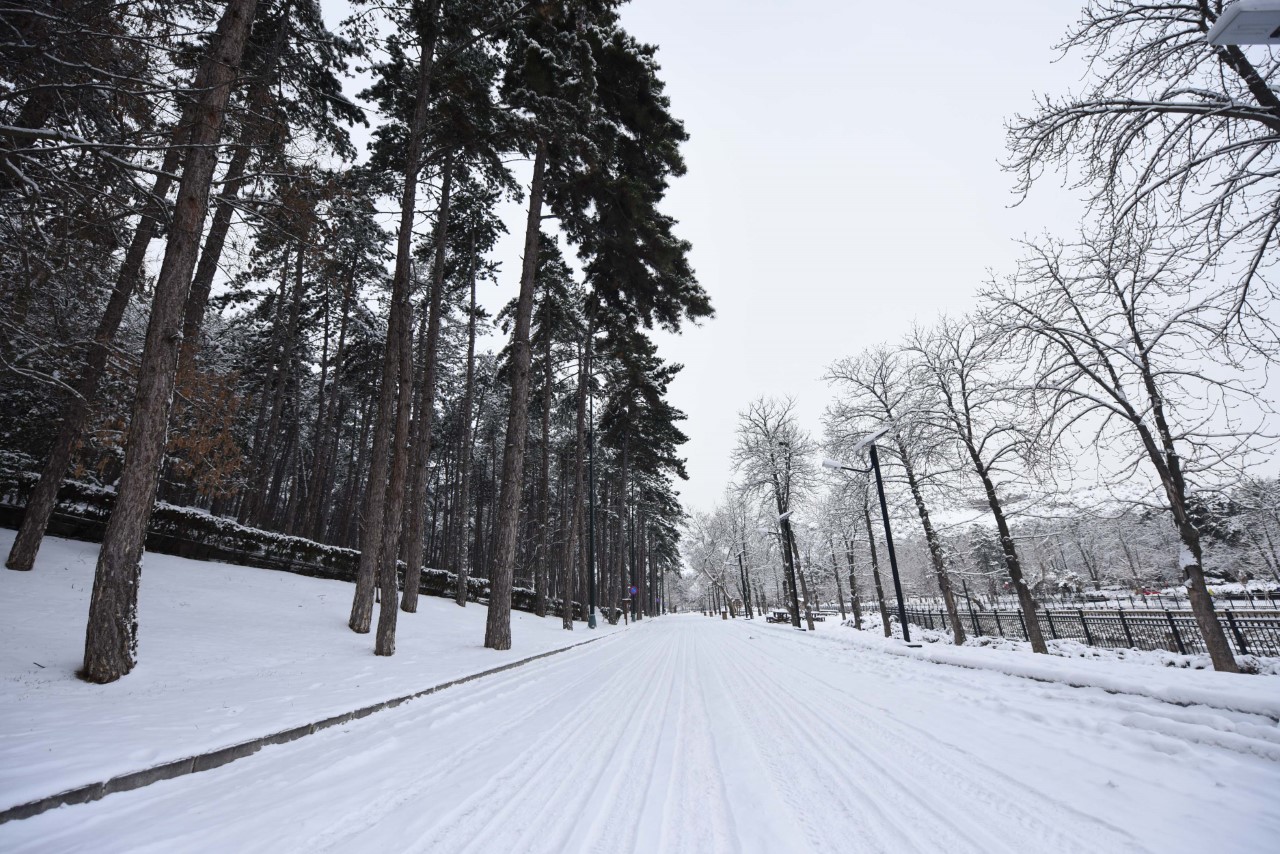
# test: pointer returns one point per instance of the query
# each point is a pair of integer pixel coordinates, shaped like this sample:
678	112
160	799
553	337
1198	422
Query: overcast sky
844	179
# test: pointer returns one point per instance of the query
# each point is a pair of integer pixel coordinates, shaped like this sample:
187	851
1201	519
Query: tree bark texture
854	601
384	425
111	639
1014	566
425	418
498	625
544	489
468	437
388	552
935	549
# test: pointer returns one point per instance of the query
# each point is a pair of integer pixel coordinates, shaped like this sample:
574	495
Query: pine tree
111	638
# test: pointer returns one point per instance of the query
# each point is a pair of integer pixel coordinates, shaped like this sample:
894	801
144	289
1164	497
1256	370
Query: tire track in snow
545	768
805	773
1134	726
451	716
880	743
687	736
696	814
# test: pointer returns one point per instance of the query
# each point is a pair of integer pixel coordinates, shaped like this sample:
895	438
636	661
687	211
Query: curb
224	755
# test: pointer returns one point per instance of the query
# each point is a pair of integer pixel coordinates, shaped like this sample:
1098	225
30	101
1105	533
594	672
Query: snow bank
1259	695
226	654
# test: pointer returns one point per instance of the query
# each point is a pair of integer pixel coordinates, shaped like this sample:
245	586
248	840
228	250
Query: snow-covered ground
226	654
682	734
1063	648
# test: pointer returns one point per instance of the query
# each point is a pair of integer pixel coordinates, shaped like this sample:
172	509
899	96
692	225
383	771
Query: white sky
843	181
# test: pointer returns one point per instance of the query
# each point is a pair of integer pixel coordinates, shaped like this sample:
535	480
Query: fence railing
1250	632
1252	600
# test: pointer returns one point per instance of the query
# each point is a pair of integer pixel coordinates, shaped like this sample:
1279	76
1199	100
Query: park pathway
689	734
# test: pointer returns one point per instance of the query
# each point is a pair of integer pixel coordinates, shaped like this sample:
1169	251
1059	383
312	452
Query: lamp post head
785	516
871	438
1247	22
828	463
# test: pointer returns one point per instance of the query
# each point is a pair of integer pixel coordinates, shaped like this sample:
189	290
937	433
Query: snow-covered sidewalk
1140	673
701	735
226	654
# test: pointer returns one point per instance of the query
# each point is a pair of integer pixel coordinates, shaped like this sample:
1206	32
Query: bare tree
774	457
1108	326
878	389
977	410
709	549
1260	499
1168	122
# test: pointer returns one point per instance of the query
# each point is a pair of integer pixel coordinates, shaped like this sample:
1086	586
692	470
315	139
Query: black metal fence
1250	632
1252	600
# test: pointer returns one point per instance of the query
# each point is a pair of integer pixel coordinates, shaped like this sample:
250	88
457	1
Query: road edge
221	756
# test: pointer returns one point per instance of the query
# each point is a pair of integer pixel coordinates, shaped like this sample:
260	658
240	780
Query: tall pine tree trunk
224	207
574	541
498	624
267	488
111	639
328	422
402	344
375	519
426	405
464	457
262	446
544	488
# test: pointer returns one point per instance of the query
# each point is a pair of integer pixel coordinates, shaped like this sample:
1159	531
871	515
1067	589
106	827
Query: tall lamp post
870	443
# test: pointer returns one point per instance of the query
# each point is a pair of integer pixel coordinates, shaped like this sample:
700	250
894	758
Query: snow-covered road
688	734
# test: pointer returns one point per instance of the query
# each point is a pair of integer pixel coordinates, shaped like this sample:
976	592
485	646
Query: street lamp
870	443
1247	22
